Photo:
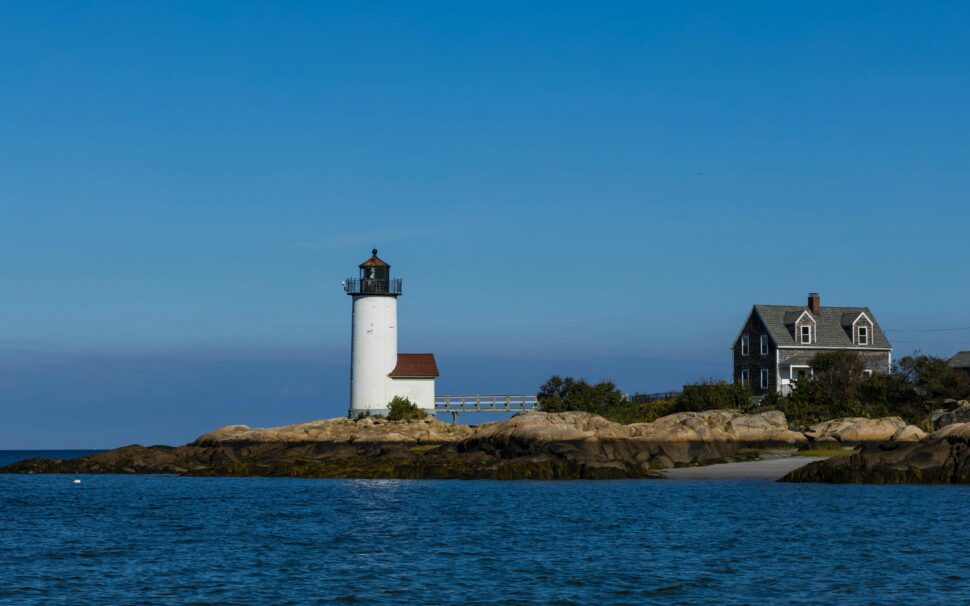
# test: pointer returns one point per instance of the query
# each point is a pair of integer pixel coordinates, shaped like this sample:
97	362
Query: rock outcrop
529	445
533	445
767	428
857	430
943	457
953	411
368	430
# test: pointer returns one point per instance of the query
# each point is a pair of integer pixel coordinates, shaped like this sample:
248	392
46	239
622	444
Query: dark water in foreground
154	539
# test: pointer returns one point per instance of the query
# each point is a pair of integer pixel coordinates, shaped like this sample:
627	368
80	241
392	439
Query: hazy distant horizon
104	401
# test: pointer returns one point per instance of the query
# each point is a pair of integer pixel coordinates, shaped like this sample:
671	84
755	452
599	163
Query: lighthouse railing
357	286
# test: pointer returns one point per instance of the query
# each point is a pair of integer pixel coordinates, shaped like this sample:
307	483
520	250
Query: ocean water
171	540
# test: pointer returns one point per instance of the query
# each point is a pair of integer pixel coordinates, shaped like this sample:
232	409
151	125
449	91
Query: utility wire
927	329
933	342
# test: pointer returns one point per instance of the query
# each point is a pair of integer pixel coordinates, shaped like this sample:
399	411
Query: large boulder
854	430
546	427
721	425
943	457
910	433
953	411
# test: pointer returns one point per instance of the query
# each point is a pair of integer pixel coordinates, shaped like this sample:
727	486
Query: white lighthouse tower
377	371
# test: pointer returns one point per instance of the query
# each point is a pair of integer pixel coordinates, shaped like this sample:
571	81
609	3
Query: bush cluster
402	409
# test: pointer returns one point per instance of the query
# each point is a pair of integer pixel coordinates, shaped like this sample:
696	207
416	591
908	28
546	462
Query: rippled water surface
160	539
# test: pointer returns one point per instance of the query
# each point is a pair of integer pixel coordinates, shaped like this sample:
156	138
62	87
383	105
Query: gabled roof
831	329
374	261
415	366
961	360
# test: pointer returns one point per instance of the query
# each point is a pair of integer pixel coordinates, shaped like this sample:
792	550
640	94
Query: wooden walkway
485	403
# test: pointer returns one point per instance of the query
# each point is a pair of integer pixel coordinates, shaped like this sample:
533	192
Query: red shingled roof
415	365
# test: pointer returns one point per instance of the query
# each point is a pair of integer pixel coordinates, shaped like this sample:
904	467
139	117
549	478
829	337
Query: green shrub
642	413
560	394
712	394
402	409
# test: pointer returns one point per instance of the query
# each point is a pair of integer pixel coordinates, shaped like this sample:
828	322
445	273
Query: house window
806	334
764	345
745	345
745	377
867	372
863	335
764	378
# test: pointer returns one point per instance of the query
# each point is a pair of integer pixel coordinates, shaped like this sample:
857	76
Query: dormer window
863	335
806	334
745	345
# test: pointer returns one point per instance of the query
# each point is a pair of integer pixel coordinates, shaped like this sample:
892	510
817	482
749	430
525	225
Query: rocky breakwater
942	457
530	445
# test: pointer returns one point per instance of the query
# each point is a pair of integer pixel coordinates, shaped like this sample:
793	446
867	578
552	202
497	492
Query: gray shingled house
777	342
961	361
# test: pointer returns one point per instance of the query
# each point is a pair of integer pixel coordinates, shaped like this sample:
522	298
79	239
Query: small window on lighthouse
371	272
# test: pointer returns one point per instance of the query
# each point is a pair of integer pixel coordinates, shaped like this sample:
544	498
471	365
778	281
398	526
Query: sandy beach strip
767	469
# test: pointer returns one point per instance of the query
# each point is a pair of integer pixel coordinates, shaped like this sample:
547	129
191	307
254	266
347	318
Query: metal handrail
486	403
367	286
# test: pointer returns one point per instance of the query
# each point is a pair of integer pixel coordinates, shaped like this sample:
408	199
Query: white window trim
764	378
867	372
745	377
870	328
764	345
859	333
801	334
812	328
745	345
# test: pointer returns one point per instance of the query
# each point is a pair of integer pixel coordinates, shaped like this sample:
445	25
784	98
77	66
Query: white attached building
378	372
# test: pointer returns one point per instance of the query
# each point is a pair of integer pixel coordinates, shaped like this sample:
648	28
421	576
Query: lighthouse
378	372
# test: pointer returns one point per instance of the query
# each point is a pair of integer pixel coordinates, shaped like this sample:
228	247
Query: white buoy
77	481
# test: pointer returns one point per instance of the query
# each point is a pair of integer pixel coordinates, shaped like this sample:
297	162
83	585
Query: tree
560	394
932	378
838	377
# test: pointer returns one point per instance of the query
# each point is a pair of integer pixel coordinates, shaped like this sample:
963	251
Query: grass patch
825	452
753	452
423	448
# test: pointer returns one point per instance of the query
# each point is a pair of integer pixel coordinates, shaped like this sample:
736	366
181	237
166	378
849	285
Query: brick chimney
814	303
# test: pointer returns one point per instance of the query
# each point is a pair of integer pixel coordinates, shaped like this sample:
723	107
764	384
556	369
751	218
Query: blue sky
596	190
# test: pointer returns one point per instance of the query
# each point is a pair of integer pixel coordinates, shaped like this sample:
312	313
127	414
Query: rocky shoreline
533	445
943	457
